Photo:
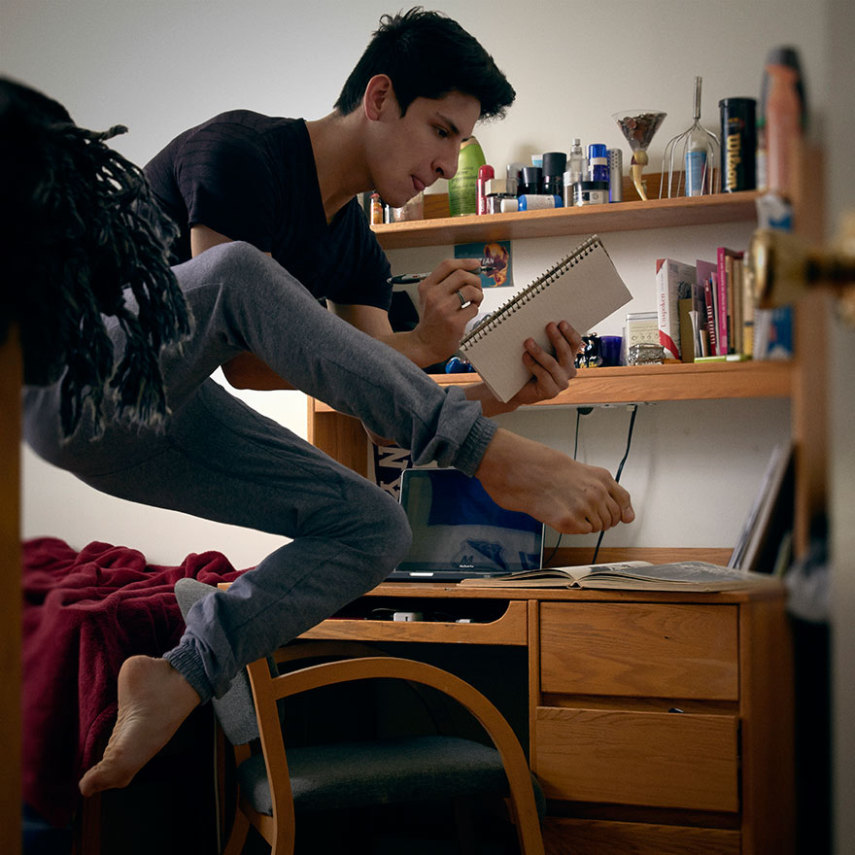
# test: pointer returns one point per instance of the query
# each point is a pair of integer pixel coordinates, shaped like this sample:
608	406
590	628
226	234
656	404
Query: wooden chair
276	787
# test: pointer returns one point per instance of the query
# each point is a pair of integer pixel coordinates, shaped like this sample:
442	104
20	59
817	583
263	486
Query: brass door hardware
783	267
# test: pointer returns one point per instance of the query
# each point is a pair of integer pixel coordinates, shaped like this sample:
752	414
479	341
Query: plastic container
554	164
496	193
531	181
615	175
485	174
463	187
590	193
738	144
598	162
376	212
514	176
509	204
696	163
538	201
576	163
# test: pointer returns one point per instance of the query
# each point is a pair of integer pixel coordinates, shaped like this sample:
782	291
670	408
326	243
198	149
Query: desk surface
429	590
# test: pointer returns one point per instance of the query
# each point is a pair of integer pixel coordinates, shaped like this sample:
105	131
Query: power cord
580	411
619	471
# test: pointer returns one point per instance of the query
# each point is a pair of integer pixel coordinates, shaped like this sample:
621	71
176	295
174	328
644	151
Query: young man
216	458
290	188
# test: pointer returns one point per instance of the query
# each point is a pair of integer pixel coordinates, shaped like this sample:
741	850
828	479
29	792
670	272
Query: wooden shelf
621	216
654	383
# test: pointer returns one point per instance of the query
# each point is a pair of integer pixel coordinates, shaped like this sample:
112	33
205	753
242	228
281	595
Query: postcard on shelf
494	254
631	575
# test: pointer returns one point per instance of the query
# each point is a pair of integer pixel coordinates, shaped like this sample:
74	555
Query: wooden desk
657	723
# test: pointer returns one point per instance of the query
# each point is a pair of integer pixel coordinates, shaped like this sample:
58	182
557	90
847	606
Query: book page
551	577
680	576
632	575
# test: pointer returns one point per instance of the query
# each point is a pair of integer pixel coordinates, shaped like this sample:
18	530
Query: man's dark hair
78	224
428	55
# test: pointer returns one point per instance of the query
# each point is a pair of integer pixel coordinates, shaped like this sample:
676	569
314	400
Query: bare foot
154	699
571	497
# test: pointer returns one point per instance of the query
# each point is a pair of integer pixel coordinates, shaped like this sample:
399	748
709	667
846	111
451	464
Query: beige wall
159	66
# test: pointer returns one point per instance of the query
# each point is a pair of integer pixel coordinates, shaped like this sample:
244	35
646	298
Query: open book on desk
583	288
630	575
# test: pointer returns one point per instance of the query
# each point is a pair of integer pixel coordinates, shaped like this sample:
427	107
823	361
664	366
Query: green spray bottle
463	187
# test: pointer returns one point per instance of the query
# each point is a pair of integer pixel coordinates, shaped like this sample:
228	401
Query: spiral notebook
583	288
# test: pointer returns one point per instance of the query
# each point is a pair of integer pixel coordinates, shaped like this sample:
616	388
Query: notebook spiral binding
530	291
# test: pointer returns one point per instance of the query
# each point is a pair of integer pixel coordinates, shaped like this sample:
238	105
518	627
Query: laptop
459	532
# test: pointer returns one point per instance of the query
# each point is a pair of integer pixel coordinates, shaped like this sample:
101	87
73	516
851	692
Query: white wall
694	467
161	65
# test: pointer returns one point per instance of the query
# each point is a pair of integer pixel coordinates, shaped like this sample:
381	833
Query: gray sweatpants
219	459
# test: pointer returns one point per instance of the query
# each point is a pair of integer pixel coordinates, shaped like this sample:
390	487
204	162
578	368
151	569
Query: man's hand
448	299
551	374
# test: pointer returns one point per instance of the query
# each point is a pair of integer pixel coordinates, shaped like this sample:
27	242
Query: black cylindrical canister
738	144
554	164
531	181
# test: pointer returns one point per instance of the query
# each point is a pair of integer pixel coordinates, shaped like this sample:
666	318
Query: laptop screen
459	531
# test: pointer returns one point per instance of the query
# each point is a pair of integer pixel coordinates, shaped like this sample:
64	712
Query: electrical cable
619	471
580	411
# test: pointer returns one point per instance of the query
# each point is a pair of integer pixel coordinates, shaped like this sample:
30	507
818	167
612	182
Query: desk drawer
657	650
510	628
676	760
565	836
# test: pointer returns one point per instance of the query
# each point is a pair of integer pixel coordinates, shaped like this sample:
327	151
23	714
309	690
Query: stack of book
705	309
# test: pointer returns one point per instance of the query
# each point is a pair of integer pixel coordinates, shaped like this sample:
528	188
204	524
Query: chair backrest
235	709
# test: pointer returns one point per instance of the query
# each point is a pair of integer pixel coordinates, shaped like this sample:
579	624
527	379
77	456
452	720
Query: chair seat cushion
389	771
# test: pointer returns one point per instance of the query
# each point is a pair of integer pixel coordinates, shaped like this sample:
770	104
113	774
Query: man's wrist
411	345
490	404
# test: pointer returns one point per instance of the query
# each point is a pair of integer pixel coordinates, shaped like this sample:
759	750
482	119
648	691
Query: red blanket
83	615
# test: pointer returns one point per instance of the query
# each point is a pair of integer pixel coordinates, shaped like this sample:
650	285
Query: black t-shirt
253	178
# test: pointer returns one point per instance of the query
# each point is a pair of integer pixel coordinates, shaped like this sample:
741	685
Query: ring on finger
463	301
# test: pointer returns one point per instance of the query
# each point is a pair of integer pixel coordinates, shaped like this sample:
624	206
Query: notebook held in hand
583	289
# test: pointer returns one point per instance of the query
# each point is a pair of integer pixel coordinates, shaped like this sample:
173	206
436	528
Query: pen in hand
410	278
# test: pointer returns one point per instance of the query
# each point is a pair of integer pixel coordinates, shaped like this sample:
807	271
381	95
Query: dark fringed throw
79	226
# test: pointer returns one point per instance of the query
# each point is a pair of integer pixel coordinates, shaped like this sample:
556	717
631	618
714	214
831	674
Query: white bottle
697	183
576	163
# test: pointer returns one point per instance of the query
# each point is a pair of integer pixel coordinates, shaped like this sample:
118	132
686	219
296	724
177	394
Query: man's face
411	152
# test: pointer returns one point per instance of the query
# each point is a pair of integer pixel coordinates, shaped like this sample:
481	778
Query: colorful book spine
705	288
743	287
722	342
727	299
674	281
712	323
